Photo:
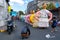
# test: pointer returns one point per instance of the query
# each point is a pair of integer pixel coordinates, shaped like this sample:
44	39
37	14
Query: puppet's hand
48	20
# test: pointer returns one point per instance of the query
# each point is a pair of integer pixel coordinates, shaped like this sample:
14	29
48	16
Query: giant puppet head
32	12
44	5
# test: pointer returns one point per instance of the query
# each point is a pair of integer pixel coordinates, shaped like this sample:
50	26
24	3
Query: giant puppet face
44	5
32	12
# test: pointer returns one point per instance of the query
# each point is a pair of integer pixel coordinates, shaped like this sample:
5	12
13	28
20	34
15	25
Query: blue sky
19	4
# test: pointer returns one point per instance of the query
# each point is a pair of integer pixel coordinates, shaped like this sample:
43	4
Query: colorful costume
32	18
3	15
27	19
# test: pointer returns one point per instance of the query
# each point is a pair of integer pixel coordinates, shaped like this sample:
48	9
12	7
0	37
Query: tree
51	6
41	8
21	13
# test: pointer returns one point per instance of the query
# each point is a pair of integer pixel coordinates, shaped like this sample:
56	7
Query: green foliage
50	6
21	13
41	8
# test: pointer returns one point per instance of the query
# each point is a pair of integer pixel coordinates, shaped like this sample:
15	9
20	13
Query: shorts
53	26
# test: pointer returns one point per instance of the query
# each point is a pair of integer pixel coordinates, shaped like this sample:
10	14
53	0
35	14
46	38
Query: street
36	33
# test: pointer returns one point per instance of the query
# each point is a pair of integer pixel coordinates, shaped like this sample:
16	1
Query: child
54	24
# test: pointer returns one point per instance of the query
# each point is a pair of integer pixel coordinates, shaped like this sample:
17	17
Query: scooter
10	27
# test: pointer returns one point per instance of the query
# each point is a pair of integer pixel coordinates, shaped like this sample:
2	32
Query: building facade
31	6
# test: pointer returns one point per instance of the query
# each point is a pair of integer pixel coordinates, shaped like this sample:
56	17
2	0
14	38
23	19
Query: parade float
27	18
40	18
3	15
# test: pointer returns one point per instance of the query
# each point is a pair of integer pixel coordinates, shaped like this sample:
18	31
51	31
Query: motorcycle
10	27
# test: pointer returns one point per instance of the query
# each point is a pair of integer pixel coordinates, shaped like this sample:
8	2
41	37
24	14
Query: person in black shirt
54	24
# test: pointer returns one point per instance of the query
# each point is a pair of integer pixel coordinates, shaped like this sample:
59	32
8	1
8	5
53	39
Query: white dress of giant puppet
43	20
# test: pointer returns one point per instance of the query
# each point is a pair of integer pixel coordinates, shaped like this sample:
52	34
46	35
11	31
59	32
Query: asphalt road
36	33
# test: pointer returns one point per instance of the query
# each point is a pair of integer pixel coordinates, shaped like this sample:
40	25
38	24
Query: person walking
54	24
